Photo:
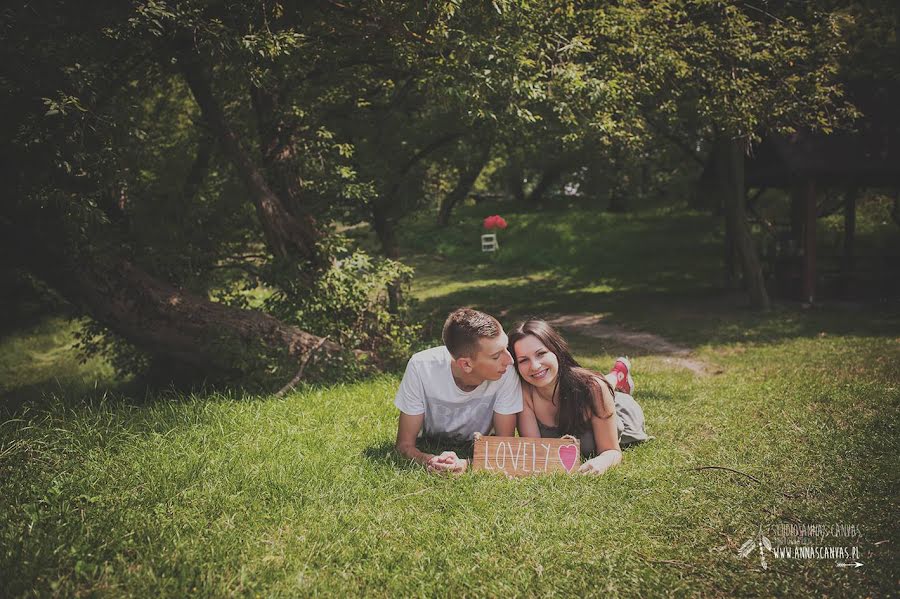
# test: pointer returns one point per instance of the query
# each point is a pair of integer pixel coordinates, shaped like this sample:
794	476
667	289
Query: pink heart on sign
567	455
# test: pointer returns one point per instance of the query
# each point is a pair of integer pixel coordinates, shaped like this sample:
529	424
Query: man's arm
410	400
407	430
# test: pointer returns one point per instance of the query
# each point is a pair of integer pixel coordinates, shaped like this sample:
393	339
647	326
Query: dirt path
591	325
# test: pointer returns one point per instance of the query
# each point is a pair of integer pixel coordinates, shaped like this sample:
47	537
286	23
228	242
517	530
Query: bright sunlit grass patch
47	354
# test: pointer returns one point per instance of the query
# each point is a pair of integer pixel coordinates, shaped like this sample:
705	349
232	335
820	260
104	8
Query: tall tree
119	200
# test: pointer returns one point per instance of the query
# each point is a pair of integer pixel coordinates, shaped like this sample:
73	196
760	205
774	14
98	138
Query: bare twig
303	364
672	562
761	11
674	139
753	478
405	495
248	268
751	201
727	469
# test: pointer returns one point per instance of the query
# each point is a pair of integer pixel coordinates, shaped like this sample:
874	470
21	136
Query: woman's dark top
629	424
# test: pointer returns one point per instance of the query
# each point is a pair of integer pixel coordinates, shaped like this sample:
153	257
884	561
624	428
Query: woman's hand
602	462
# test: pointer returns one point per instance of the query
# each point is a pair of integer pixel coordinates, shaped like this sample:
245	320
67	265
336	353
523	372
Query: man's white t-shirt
428	388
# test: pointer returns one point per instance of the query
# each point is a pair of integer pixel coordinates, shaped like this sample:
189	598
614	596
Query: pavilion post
809	240
849	231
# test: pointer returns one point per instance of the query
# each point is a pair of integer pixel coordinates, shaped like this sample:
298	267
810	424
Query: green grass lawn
226	494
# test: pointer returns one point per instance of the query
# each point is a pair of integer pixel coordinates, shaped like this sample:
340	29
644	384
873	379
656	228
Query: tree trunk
515	177
210	337
387	236
798	212
730	259
550	176
731	155
848	264
618	202
595	180
199	168
166	321
810	213
385	212
705	189
895	208
278	144
286	235
464	184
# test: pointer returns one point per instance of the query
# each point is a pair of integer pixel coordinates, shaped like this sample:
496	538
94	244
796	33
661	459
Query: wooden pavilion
808	165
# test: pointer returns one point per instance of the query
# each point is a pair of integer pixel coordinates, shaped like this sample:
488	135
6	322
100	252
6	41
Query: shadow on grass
650	396
657	271
384	454
692	317
77	390
78	393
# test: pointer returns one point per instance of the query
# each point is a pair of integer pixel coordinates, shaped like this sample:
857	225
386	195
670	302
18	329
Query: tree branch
428	149
674	139
727	469
293	382
285	234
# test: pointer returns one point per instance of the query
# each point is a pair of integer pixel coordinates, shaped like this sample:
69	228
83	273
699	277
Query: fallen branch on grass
751	477
303	364
671	562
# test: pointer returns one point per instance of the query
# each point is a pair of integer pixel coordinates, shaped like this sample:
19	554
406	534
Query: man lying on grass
463	387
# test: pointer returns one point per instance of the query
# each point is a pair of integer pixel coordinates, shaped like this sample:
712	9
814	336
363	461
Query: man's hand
448	461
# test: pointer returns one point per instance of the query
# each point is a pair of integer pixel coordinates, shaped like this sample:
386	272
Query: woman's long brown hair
573	387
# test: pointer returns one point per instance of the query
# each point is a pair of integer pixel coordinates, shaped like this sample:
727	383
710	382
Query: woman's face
536	363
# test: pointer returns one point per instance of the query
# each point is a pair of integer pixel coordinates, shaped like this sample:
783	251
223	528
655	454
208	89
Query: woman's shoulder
603	392
595	381
528	394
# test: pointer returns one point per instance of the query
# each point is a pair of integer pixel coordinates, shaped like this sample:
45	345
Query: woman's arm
527	421
606	436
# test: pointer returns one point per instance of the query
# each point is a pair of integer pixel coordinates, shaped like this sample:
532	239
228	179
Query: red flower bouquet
494	222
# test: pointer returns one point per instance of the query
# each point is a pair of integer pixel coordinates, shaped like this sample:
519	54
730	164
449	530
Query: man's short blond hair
465	327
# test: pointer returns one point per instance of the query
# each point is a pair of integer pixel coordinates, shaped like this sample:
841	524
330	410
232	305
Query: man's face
491	359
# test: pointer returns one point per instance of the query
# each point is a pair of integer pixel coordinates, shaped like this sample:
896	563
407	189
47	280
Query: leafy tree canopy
213	145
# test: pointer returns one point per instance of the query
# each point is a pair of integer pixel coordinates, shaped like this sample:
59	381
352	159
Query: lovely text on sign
525	456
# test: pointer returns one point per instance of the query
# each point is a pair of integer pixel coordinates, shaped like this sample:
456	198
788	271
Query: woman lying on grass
562	398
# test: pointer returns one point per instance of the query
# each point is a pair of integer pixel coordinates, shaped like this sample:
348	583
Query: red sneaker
622	373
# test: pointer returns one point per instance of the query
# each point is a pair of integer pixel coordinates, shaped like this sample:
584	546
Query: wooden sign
526	456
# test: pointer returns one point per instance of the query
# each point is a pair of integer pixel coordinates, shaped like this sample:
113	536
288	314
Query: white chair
489	242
